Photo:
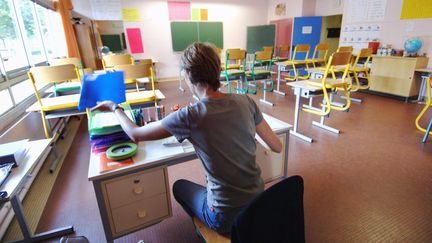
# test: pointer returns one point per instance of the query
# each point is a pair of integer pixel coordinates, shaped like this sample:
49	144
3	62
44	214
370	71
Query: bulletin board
112	41
185	33
259	36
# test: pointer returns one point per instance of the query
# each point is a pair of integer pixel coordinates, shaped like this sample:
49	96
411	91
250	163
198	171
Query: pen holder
144	116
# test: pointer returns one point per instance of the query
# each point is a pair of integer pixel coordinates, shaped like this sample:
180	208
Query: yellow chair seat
291	62
208	234
231	72
60	102
330	83
233	66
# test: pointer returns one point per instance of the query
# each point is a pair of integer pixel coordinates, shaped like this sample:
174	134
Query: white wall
236	15
329	7
308	7
294	8
83	7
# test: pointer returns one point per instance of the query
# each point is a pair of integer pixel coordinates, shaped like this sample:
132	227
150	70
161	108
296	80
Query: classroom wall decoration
200	14
185	33
416	9
359	35
179	10
135	40
280	9
259	36
106	9
131	14
365	11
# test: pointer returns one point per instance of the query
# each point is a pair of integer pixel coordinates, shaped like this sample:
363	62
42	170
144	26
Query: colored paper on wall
204	14
416	9
179	10
195	14
134	39
131	14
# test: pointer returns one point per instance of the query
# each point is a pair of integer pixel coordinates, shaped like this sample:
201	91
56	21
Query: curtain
63	7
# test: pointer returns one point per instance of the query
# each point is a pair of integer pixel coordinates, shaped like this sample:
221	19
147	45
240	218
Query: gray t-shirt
223	134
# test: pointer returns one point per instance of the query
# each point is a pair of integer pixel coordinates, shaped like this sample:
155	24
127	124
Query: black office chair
276	215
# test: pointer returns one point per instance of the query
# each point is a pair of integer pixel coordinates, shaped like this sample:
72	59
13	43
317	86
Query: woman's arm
152	131
268	136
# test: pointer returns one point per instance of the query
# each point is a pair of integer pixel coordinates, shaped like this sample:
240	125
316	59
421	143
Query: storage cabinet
272	164
395	75
137	200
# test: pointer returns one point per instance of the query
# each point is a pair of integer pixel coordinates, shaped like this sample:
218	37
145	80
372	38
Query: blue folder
100	87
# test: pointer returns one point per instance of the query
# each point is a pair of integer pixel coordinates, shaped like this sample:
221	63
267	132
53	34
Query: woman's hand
105	106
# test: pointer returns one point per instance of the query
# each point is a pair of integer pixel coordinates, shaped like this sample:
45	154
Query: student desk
303	89
17	185
425	74
283	67
65	106
136	196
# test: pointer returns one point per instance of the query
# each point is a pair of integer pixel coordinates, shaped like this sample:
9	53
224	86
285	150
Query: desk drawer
131	188
139	213
272	164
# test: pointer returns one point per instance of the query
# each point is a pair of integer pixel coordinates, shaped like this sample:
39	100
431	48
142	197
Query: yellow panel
416	9
131	14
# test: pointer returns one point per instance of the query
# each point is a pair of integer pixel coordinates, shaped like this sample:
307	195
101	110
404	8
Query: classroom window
29	35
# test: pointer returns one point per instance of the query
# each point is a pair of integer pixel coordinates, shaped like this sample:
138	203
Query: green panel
112	41
259	36
183	34
211	32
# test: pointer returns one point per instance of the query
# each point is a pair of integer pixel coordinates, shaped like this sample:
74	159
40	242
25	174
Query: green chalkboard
112	41
211	32
185	33
259	36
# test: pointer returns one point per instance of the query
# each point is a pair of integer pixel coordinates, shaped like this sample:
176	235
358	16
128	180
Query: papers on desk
13	152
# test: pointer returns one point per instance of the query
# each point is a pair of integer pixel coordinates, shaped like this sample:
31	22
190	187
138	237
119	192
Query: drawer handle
136	181
265	152
141	214
138	190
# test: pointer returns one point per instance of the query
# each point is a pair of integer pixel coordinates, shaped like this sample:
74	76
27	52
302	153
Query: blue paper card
100	87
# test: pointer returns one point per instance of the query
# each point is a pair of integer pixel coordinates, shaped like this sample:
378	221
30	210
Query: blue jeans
193	198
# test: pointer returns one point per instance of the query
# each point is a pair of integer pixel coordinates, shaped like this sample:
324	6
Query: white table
128	203
37	152
303	89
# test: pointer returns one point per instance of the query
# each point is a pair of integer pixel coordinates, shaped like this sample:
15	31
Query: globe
105	50
412	45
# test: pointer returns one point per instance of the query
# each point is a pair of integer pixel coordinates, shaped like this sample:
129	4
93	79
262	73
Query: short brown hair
202	63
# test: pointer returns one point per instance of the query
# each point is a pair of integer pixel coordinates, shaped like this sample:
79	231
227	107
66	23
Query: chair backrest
365	53
236	55
110	61
321	48
283	49
301	48
146	61
134	71
276	215
53	74
70	60
268	49
337	59
345	48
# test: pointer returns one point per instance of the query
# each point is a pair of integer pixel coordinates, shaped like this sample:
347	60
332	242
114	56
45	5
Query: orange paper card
106	164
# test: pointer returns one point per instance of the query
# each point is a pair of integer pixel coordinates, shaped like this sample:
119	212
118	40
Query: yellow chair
268	49
231	64
427	106
356	68
320	50
237	70
109	61
301	48
134	73
282	49
52	74
71	85
337	59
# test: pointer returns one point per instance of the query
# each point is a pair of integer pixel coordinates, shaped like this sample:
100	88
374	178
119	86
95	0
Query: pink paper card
135	41
179	10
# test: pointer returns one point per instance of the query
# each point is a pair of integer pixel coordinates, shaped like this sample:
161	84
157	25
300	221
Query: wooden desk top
304	85
71	101
36	150
154	153
424	70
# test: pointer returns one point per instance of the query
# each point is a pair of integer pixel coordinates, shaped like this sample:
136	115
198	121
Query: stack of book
105	130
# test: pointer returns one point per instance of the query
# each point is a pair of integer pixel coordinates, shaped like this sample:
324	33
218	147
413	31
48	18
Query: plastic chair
135	73
356	68
320	49
268	49
109	61
237	70
260	70
52	74
276	215
345	48
301	48
427	106
69	86
337	59
282	49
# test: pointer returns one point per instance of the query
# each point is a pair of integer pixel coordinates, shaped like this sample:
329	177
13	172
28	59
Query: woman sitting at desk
222	129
